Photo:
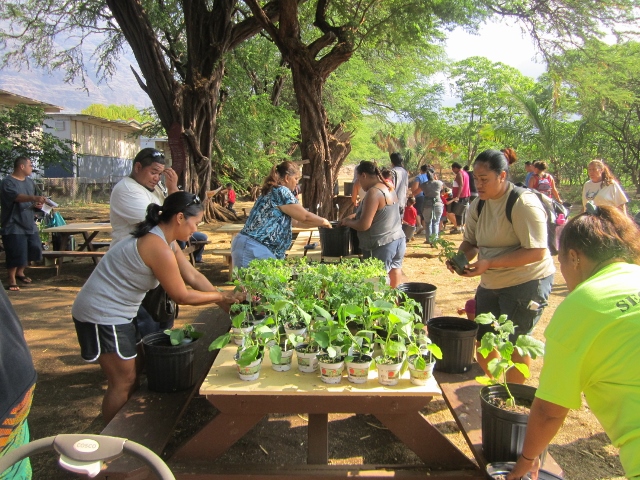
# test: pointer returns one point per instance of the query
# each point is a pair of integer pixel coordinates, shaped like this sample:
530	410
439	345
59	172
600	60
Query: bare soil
69	391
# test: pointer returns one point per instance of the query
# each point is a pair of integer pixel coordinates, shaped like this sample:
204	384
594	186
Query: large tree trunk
185	91
326	150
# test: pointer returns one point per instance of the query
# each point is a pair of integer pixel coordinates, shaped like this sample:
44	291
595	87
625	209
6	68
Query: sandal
24	279
14	288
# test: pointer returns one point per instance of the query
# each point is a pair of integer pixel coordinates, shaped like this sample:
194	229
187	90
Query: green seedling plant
399	325
186	334
253	345
281	342
499	341
420	345
361	341
449	252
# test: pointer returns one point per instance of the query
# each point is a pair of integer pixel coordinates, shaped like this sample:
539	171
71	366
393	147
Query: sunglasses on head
194	201
155	154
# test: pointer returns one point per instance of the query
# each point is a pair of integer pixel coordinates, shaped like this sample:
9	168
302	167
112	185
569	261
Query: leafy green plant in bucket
185	334
499	341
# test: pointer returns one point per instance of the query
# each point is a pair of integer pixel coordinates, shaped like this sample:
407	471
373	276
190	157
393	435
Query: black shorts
22	248
97	339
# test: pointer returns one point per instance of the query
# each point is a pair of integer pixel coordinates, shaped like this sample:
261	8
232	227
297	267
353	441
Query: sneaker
454	231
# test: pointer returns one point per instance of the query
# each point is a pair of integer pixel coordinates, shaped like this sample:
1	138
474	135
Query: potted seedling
398	326
329	335
250	354
281	351
359	358
504	405
169	357
449	252
240	327
421	356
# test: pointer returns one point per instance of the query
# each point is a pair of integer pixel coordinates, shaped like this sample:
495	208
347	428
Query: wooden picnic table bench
461	392
150	418
59	255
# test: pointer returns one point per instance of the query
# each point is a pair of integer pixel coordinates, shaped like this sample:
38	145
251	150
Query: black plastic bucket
355	242
336	241
456	337
169	367
503	432
348	189
424	294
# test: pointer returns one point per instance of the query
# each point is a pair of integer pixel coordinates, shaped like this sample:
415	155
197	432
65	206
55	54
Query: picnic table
89	248
243	404
89	231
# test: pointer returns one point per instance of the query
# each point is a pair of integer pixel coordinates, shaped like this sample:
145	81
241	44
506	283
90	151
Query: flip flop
24	279
14	288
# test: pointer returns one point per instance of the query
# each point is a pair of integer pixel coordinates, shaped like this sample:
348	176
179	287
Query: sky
498	41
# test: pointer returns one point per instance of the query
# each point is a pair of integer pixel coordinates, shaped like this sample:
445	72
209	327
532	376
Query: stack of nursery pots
169	367
456	337
424	294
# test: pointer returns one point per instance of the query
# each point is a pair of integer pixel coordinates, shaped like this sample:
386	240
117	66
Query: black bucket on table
336	241
355	242
456	337
348	189
169	367
424	294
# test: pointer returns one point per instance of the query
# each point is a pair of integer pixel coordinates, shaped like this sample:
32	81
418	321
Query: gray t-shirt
17	218
114	291
401	184
385	227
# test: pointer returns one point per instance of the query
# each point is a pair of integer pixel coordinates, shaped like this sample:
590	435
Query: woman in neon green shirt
592	342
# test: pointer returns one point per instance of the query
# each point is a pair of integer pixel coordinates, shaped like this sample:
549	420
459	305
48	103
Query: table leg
318	439
217	436
433	448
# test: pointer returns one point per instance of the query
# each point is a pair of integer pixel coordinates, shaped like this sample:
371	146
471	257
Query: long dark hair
278	172
369	168
179	202
602	234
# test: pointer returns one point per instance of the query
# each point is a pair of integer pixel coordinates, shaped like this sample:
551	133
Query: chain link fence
78	189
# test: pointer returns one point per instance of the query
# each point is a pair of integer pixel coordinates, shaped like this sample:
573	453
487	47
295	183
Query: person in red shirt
409	219
231	197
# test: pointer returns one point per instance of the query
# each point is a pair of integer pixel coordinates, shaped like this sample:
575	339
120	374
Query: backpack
544	185
431	189
551	208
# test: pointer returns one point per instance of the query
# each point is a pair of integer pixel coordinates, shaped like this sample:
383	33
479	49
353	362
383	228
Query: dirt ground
69	391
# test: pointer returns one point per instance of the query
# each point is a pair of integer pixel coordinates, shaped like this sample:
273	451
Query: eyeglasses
194	201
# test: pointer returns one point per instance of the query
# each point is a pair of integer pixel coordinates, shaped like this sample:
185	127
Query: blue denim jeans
196	237
432	214
244	249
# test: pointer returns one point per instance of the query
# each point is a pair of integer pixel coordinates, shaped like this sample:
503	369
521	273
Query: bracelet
527	458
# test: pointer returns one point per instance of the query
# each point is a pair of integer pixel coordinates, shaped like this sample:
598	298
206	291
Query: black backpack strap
514	195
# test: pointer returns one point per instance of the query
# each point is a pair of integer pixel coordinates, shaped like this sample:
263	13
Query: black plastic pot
336	241
169	367
458	262
424	294
502	431
456	337
355	242
348	189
